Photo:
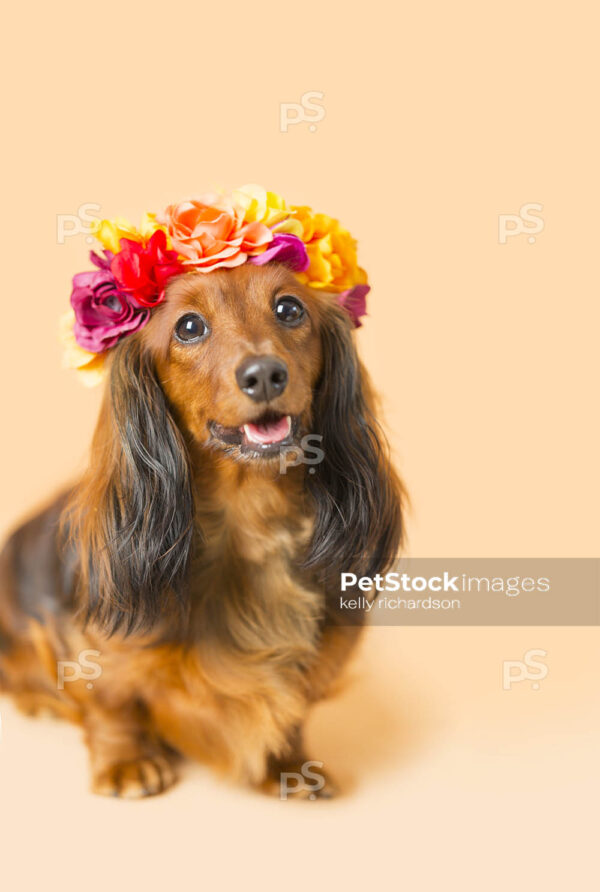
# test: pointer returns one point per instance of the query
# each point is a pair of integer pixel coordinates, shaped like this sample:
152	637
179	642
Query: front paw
135	779
301	779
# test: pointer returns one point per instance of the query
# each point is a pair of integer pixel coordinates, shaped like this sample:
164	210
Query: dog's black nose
262	378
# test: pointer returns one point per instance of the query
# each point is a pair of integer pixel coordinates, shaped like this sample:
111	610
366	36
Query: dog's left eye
190	328
289	310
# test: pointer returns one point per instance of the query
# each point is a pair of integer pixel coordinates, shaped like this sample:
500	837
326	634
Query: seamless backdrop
432	121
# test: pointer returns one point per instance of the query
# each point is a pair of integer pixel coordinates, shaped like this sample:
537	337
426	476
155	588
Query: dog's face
238	353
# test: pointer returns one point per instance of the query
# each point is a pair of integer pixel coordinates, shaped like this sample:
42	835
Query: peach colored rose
210	233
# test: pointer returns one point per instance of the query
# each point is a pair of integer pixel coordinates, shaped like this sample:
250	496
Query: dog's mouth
264	436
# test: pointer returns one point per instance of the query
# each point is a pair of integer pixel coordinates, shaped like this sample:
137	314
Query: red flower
143	271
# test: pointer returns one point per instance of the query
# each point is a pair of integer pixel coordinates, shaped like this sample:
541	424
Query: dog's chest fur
254	628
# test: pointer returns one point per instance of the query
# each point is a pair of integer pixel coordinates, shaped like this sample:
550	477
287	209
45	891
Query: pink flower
287	249
143	271
210	232
354	301
103	313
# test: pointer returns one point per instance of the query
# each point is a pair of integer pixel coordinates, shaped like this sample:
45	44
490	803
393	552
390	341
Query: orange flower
210	233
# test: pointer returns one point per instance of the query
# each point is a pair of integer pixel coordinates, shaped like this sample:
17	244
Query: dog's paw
43	706
135	779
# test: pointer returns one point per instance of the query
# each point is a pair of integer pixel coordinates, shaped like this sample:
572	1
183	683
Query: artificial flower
142	271
89	366
288	249
354	302
210	232
202	234
299	223
331	249
332	254
110	232
261	206
103	313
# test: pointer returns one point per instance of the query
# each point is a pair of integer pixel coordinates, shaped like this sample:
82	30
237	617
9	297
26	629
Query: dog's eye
289	310
190	328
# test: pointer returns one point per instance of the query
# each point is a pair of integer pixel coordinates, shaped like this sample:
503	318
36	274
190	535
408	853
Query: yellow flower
109	232
299	223
331	251
330	248
260	206
89	366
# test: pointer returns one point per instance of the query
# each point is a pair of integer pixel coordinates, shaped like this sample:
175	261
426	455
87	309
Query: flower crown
249	225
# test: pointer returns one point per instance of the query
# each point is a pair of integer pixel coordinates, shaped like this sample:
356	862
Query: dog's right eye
190	328
289	310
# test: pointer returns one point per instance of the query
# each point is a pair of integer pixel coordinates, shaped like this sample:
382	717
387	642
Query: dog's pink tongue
272	432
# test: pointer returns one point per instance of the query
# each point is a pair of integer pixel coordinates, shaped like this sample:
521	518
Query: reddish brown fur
226	678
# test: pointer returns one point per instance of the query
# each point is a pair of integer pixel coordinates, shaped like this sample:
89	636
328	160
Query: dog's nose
262	378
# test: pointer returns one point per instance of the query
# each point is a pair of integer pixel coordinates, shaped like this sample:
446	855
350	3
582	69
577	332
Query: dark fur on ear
355	489
132	517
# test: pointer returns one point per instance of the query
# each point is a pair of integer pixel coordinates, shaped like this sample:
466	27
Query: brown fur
203	577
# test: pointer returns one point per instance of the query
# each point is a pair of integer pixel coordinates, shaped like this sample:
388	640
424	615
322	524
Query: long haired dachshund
197	569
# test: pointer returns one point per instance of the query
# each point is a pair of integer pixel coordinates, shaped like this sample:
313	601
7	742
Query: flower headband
215	231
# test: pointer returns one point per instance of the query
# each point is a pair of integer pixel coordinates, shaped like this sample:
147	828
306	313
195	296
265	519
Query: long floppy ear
132	516
355	489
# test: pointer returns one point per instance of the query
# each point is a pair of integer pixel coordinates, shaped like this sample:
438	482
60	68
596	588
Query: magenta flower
354	301
103	313
284	248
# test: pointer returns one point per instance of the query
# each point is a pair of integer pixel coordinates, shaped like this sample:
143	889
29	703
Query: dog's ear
357	494
132	516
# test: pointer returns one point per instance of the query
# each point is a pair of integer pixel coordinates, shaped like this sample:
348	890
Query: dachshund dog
197	564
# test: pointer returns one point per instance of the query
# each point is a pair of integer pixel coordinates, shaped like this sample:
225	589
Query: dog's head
242	364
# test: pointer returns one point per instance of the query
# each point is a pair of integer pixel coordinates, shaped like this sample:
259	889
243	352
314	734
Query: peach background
439	117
